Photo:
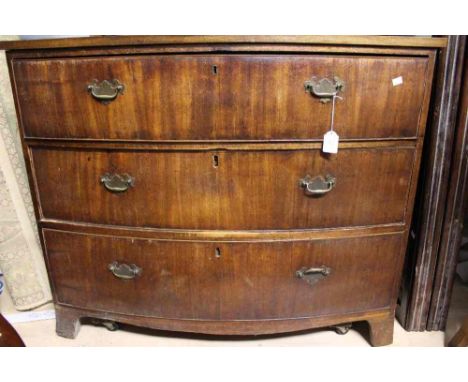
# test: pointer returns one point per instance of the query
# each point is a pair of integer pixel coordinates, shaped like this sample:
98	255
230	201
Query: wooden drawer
219	97
238	190
223	281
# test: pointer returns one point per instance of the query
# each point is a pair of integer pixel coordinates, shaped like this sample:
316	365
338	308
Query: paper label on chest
330	142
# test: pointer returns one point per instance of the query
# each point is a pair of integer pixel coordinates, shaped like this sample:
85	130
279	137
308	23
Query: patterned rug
21	258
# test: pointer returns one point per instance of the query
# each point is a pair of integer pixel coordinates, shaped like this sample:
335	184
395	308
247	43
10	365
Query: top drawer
219	97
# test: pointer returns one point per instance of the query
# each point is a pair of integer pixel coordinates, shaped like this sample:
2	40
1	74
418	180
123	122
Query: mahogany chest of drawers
180	182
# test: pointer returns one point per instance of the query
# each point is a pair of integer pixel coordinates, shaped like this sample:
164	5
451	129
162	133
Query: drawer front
224	190
219	97
223	281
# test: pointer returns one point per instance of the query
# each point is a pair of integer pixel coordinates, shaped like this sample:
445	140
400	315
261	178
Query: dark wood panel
225	190
180	97
223	281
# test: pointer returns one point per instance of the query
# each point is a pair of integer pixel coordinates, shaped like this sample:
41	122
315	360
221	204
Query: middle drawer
232	190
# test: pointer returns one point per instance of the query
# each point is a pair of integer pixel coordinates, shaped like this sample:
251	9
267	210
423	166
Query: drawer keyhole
214	69
215	161
217	253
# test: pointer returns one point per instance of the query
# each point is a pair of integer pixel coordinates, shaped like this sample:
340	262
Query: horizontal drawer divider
232	49
213	145
223	235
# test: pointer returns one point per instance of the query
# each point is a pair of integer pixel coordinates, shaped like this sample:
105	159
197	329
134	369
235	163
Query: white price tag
330	142
397	81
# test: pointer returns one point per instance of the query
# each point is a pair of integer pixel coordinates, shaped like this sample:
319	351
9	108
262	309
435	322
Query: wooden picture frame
437	222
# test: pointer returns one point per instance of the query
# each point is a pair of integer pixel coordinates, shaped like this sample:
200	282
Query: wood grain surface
222	281
220	97
239	190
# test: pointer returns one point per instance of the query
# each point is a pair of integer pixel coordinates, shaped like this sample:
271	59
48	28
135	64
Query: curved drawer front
237	190
218	97
222	281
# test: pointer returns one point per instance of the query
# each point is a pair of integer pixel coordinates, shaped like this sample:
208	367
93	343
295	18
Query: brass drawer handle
124	271
318	185
324	88
106	91
117	182
313	275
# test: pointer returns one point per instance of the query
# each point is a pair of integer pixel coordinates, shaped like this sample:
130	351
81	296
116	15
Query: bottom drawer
223	281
